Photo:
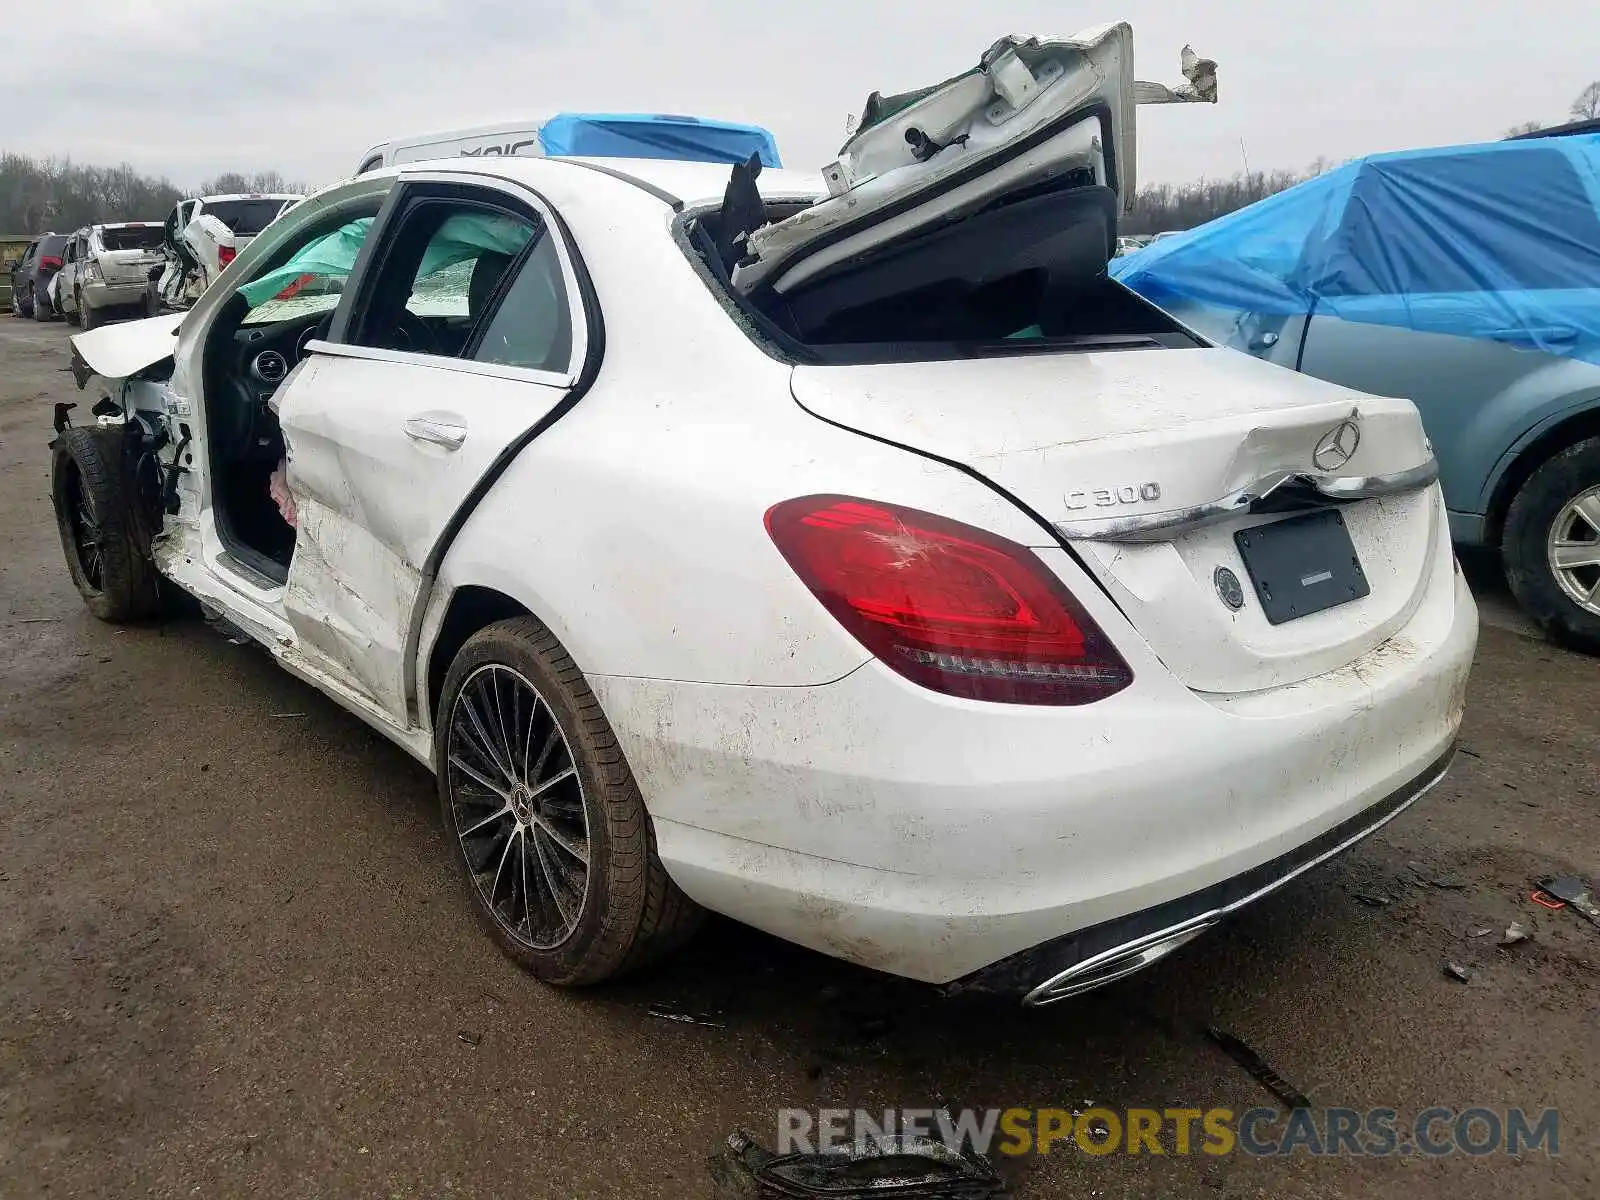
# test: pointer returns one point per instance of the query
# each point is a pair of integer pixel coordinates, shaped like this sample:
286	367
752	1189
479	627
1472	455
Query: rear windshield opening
1026	274
131	237
245	218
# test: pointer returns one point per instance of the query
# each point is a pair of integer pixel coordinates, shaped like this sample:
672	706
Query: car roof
249	196
1572	129
688	184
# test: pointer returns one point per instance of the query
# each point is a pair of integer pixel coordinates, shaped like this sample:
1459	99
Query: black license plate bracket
1302	565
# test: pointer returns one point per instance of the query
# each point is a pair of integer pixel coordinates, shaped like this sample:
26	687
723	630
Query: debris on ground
1575	893
671	1012
1457	972
1258	1069
901	1167
470	1038
1425	876
1513	935
1481	931
1373	899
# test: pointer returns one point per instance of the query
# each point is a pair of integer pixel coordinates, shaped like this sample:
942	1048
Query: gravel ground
234	959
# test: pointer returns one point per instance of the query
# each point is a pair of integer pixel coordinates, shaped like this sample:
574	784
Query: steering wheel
414	335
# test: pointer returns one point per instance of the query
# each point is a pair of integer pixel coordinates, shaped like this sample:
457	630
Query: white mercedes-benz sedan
847	555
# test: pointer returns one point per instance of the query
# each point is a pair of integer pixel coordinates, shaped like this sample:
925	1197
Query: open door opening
255	348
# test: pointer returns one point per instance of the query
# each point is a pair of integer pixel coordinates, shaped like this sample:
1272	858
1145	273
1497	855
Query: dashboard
267	353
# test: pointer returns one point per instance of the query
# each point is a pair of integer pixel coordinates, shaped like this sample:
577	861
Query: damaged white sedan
848	556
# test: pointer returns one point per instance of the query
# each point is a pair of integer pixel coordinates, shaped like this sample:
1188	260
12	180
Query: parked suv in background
106	267
31	275
1464	278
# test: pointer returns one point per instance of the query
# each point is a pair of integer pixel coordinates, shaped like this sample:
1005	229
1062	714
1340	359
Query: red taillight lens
225	255
951	607
49	262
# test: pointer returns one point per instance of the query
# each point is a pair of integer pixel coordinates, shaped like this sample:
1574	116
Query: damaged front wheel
110	568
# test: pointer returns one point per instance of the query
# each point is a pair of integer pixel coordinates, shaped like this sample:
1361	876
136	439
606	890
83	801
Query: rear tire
87	317
111	570
1552	522
75	317
38	306
569	776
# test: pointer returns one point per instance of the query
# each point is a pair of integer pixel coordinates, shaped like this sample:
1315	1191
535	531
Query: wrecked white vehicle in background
107	268
204	234
852	558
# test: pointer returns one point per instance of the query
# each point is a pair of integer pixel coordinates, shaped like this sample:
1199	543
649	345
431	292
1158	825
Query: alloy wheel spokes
1574	550
87	536
518	807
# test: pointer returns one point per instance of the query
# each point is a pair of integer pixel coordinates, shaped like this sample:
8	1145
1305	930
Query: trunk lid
1147	462
126	266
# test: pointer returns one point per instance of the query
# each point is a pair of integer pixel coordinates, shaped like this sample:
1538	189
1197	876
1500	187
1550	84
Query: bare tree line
1585	108
58	194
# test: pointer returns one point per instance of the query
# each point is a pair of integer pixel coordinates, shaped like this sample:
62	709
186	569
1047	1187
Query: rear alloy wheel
1552	546
544	817
86	316
39	306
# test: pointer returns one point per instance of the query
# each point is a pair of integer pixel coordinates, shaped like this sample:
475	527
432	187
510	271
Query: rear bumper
1090	958
109	295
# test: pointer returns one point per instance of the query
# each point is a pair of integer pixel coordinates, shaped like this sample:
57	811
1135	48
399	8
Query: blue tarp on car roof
1497	241
656	135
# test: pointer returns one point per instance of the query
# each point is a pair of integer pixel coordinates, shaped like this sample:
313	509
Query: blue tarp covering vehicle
656	135
1498	241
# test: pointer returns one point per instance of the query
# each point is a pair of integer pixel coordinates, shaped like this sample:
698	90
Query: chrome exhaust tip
1114	964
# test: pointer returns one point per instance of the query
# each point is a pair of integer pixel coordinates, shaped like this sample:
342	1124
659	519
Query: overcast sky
191	88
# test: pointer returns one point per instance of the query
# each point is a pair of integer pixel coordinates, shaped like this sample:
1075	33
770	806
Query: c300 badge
1111	497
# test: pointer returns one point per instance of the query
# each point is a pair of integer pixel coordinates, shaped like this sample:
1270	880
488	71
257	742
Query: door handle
439	432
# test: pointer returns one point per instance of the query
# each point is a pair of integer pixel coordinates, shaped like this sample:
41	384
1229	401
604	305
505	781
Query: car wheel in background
543	816
1551	546
94	513
75	317
38	306
87	317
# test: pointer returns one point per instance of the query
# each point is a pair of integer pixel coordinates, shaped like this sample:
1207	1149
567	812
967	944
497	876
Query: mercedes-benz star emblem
1337	446
1228	588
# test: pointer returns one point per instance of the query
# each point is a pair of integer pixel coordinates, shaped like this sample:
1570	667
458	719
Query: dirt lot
234	960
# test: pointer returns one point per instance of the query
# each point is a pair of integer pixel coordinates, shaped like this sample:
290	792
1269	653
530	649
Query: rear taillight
948	606
225	255
49	262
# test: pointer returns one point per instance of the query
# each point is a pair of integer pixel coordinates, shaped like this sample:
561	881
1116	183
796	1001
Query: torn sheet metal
1201	87
1032	109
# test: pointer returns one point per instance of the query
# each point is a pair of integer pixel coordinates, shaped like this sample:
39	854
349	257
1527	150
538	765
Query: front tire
543	816
1551	546
95	517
